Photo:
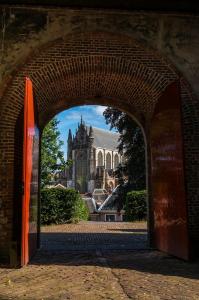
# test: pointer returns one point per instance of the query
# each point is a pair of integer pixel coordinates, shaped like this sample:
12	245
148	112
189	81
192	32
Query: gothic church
94	154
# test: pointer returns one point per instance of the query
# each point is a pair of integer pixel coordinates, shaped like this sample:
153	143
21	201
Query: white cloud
73	116
100	109
92	115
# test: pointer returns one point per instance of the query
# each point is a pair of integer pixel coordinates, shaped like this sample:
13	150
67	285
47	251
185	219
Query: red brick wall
91	68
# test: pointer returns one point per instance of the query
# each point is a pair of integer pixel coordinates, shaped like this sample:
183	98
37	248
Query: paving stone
103	272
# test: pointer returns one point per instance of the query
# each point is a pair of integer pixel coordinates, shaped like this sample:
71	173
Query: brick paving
95	236
99	273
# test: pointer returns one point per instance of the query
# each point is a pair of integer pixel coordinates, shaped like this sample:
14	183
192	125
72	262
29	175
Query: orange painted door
30	177
168	183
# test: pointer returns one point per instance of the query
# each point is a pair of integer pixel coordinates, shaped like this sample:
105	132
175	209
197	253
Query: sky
68	119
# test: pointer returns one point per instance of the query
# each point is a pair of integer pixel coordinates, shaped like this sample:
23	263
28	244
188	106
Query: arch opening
106	75
103	160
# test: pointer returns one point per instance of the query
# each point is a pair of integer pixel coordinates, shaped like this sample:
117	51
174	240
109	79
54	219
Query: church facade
94	154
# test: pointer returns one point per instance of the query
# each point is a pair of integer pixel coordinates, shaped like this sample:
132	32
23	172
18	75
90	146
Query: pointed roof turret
70	135
91	135
91	132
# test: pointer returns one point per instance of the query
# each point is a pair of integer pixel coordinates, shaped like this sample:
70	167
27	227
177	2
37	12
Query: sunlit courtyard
99	260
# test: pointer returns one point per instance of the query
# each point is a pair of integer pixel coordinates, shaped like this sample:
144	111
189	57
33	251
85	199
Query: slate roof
110	203
105	139
90	202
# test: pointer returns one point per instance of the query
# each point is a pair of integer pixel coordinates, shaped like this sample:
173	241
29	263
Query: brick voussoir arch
130	87
88	70
83	68
103	49
67	103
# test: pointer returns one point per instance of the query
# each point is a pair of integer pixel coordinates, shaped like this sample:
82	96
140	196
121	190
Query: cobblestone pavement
104	273
95	236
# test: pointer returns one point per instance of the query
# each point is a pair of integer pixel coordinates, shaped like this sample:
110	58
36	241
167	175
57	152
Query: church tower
84	149
69	171
91	161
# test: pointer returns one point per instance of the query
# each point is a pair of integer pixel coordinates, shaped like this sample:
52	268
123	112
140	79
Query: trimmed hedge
135	206
60	206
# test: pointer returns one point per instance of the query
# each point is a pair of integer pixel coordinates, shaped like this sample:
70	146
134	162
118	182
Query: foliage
122	190
52	158
59	205
131	145
135	206
69	163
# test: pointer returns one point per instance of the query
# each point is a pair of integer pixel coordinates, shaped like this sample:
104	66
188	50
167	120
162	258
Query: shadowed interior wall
122	59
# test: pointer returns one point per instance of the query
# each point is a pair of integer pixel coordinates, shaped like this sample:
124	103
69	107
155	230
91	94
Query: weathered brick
126	68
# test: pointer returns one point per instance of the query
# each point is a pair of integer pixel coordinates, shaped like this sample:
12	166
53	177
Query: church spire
91	135
70	145
70	135
91	132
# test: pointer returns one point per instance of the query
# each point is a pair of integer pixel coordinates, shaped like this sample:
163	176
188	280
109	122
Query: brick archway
91	68
92	65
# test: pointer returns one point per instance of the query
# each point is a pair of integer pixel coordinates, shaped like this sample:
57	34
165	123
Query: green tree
131	145
135	206
59	205
52	158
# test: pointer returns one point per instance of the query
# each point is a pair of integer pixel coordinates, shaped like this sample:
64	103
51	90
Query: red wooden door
168	184
30	177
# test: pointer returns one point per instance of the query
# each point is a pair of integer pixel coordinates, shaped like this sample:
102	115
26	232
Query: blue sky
92	115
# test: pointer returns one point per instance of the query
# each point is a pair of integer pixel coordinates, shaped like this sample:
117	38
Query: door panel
168	185
30	177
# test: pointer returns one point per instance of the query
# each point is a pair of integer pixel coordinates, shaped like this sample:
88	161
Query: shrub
135	206
60	205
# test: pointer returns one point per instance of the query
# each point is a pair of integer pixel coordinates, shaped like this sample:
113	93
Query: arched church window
123	159
116	161
108	161
100	159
